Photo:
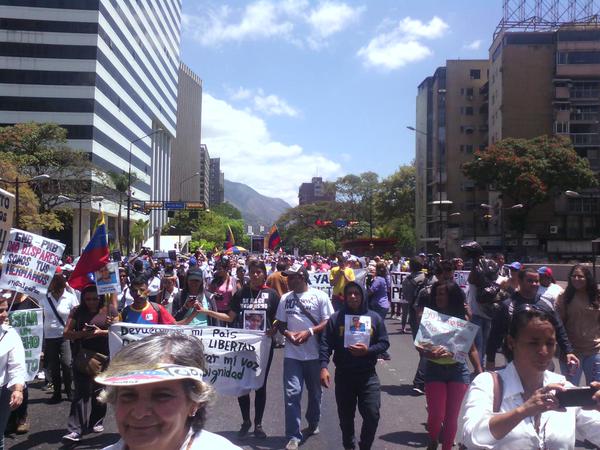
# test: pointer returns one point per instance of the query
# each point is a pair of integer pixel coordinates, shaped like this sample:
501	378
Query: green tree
228	210
36	149
138	231
530	171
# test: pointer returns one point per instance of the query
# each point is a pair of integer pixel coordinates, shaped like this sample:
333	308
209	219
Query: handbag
89	362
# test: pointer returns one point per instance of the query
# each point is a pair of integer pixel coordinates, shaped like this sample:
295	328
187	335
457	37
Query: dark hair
281	265
381	269
139	280
590	286
82	308
255	264
525	270
521	317
415	264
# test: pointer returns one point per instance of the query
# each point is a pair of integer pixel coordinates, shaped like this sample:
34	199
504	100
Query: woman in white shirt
524	413
12	369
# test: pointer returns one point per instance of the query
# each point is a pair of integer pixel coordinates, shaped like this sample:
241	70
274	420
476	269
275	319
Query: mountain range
256	209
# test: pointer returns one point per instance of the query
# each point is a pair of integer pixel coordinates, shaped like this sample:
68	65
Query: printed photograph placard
357	330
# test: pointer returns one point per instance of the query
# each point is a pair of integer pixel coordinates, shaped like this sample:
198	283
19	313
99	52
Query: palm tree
120	183
138	231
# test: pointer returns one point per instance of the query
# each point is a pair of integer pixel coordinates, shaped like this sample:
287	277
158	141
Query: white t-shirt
318	304
205	441
549	294
169	305
52	327
12	358
153	285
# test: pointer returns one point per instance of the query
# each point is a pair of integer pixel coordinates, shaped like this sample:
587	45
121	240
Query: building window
469	149
469	92
561	127
475	74
468	111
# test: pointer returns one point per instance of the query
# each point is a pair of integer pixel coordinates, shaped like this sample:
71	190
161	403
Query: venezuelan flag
95	256
273	239
229	239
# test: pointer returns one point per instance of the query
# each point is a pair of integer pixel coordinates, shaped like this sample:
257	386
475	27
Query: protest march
88	328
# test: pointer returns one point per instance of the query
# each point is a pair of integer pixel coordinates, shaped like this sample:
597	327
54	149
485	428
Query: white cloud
402	44
259	101
250	155
331	17
273	105
475	45
293	20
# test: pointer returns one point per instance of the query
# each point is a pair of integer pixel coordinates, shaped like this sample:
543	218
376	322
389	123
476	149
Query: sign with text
29	263
29	323
396	279
454	334
235	359
7	206
320	280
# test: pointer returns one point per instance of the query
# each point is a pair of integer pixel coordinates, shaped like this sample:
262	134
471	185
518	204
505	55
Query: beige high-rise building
549	83
451	123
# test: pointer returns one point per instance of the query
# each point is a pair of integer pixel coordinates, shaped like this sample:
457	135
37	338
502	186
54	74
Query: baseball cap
167	372
295	268
544	270
192	261
515	265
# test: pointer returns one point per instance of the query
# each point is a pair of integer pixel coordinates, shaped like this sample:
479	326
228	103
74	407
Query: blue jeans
295	374
590	365
481	338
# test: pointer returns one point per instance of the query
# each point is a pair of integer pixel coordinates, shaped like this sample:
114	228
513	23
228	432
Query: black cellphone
581	396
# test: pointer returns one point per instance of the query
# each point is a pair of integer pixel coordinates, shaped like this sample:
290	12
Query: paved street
401	425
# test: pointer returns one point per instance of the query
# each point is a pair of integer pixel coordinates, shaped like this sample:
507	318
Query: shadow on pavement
53	437
270	443
406	438
402	389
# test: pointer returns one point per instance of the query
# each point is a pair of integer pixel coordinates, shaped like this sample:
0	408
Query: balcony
588	94
587	116
585	139
561	92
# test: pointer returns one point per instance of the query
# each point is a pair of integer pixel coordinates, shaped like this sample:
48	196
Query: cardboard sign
7	206
454	334
235	358
29	323
29	263
320	280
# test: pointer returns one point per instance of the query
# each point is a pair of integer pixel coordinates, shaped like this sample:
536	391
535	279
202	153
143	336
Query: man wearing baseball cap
301	316
548	291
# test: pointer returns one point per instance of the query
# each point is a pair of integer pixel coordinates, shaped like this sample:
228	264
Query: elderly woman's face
153	415
534	346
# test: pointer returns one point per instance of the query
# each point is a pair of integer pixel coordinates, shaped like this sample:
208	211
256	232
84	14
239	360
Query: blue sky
299	88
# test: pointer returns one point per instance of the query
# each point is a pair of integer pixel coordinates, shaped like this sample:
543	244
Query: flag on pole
272	239
229	239
94	257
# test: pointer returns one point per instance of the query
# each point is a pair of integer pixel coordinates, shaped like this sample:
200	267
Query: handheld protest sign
29	263
107	280
7	206
29	323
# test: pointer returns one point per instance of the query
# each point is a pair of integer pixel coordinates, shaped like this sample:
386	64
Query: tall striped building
106	70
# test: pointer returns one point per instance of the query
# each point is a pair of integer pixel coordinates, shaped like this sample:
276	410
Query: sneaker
311	430
292	444
73	437
22	426
98	429
417	390
40	376
259	432
244	429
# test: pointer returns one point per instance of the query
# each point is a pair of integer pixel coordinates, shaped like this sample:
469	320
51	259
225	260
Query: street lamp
181	184
80	201
572	194
129	187
16	182
513	207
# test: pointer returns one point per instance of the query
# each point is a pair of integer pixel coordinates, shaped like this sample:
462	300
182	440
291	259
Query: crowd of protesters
206	289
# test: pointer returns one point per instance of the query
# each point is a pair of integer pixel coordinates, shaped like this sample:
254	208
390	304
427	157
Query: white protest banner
7	206
29	323
320	280
454	334
235	358
396	280
360	277
107	280
29	263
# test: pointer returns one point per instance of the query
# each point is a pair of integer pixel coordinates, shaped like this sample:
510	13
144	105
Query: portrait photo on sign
357	330
107	280
255	320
